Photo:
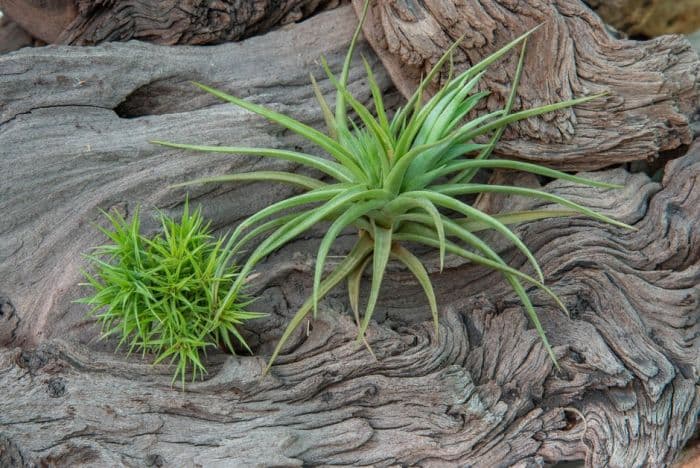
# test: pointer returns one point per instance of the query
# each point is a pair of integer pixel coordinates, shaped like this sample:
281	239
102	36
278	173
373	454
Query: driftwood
654	85
87	22
74	131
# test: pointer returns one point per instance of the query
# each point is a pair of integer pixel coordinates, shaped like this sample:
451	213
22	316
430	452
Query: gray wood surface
74	131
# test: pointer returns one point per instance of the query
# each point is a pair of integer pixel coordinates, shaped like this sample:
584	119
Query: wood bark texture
74	131
653	85
88	22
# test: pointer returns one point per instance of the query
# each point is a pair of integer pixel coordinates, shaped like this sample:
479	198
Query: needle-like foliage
397	180
159	293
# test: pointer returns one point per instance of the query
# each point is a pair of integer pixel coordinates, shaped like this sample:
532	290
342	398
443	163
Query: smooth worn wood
653	86
43	19
649	18
74	131
12	36
88	22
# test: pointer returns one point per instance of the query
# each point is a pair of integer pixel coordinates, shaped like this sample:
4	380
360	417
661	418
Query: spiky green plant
160	293
397	180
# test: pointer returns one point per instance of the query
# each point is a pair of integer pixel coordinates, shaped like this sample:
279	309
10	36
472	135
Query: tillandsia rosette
397	180
159	293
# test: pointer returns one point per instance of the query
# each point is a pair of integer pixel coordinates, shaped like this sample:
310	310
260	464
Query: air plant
397	180
159	293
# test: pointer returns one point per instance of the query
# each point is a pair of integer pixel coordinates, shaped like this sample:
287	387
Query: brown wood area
653	85
89	22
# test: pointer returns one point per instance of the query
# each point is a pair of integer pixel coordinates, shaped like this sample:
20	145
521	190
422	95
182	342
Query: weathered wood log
654	85
139	90
74	131
87	22
481	393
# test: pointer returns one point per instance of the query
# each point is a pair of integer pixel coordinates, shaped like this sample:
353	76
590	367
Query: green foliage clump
397	180
160	293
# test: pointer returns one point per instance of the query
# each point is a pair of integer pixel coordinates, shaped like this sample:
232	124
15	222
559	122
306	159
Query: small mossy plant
397	180
160	293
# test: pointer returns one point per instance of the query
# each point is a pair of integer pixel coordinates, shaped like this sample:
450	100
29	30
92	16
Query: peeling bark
74	131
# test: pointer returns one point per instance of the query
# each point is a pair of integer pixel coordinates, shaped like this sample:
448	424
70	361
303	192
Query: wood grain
653	85
74	131
89	22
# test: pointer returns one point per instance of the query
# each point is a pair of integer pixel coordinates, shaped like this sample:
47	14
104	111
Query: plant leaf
340	110
356	256
354	289
377	97
418	270
364	114
325	109
533	317
443	200
422	237
515	217
330	168
382	250
330	145
276	176
468	174
524	167
463	189
464	136
344	220
402	204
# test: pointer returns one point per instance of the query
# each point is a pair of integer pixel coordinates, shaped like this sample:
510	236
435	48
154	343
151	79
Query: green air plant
397	180
159	293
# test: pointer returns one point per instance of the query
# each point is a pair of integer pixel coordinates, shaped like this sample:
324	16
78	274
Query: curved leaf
330	145
418	270
330	168
344	220
382	250
463	189
353	259
276	176
456	205
521	166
